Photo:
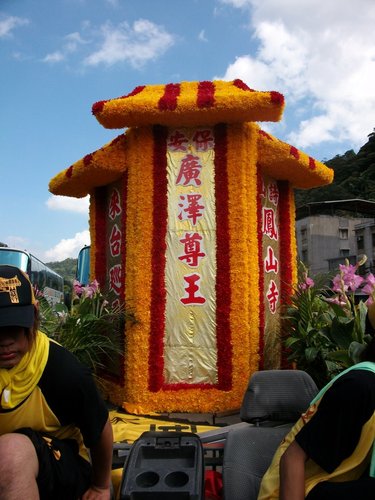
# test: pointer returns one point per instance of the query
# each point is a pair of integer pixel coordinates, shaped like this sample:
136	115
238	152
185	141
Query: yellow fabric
17	383
371	314
350	469
190	350
36	414
127	428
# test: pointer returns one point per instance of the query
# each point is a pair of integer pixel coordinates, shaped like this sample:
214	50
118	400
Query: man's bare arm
292	473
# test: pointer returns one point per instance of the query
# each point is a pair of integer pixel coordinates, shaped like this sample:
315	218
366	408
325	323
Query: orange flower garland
242	152
96	169
190	104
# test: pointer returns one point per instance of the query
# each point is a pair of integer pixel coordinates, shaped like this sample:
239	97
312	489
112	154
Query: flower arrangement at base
91	329
325	326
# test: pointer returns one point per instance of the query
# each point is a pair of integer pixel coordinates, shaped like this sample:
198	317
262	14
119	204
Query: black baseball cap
16	298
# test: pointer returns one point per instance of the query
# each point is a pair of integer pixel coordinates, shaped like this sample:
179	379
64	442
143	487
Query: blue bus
41	276
83	266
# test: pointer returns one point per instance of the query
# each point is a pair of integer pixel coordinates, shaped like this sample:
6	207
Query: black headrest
277	395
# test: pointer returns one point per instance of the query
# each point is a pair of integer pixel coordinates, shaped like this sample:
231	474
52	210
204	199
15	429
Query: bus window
83	266
41	276
16	258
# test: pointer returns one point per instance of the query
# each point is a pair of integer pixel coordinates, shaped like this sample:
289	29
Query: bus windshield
43	278
83	266
14	258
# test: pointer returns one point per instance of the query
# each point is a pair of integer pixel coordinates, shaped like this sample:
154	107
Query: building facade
327	234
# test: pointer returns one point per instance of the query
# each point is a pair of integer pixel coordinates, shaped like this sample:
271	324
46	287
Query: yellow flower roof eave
190	104
99	168
285	162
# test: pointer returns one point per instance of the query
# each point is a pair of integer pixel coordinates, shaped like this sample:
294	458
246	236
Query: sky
59	57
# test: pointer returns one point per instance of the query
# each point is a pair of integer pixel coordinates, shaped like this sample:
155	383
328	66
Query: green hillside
354	177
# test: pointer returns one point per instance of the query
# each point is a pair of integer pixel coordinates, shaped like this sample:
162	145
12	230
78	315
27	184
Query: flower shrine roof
190	104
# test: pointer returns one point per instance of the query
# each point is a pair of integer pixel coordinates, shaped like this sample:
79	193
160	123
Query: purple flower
78	288
308	283
90	290
369	288
347	279
338	299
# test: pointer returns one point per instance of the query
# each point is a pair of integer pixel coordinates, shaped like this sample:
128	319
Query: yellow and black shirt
65	403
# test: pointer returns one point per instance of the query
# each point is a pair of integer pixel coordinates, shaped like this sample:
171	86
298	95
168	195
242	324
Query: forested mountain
354	177
66	268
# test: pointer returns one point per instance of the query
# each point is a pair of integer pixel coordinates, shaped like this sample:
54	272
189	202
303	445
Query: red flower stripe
100	234
286	254
312	164
276	97
294	152
223	288
261	270
206	94
264	134
69	172
158	260
87	159
98	107
241	85
168	102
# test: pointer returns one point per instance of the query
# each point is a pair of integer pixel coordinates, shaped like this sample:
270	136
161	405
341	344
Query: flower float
192	227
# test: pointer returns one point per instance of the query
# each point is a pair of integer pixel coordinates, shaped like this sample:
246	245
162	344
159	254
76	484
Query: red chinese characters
273	193
115	241
272	296
270	195
115	274
269	227
192	249
203	140
190	207
114	205
271	263
177	141
193	296
189	171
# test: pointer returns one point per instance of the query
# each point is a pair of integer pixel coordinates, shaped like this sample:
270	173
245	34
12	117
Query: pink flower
369	288
308	283
77	287
337	300
347	279
90	290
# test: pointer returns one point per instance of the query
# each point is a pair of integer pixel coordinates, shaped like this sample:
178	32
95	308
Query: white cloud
9	23
68	247
202	36
322	51
54	57
71	45
16	242
138	44
79	205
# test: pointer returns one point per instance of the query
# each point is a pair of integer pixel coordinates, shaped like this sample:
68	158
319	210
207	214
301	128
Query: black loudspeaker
164	466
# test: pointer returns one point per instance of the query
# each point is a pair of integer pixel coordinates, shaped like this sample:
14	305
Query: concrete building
329	232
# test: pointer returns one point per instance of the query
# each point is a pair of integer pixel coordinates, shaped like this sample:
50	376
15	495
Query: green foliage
91	329
65	268
354	177
324	326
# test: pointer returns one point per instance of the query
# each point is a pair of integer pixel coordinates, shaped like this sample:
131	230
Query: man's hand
95	493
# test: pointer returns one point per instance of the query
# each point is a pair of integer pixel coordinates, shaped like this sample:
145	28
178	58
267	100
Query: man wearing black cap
50	409
330	452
